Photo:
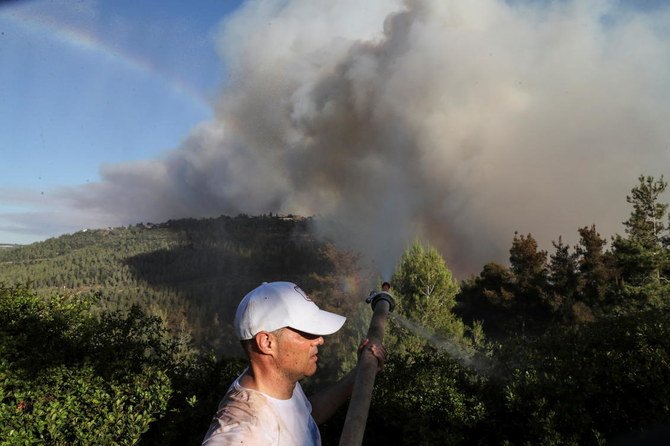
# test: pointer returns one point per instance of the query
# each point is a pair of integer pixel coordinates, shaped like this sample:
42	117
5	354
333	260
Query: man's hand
377	350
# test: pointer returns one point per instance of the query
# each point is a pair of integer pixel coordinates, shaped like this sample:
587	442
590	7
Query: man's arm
326	402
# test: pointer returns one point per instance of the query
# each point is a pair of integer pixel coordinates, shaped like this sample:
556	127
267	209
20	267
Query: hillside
189	272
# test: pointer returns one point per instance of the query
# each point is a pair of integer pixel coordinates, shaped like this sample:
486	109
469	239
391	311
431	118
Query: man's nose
319	341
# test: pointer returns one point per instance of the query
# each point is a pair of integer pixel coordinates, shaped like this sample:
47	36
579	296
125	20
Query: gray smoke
449	121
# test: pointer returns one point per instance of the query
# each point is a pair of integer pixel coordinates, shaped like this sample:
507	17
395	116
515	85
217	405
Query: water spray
354	425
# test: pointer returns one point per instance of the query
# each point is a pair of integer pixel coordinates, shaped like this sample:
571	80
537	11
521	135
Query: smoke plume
449	121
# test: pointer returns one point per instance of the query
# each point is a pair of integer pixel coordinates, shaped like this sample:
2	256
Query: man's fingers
377	350
380	353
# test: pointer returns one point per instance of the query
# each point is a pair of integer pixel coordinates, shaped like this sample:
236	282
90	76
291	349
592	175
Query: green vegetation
123	335
190	273
62	380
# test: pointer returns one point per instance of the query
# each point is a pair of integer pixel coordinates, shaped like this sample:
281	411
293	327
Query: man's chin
312	370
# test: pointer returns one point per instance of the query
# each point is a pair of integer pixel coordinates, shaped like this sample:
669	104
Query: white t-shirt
250	417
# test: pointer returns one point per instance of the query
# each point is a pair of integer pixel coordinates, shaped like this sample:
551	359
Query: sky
78	83
454	123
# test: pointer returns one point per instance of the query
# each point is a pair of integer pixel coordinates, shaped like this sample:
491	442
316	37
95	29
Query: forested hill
190	272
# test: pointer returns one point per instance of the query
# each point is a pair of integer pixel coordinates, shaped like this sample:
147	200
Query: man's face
297	353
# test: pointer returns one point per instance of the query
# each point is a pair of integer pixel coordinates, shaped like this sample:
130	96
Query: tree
528	264
563	277
423	396
563	270
489	297
427	288
426	294
531	277
593	271
642	257
645	225
432	400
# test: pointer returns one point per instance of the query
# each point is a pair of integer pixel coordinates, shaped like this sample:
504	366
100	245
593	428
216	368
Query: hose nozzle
376	296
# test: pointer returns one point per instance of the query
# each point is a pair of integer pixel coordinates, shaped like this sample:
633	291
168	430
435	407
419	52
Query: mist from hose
468	358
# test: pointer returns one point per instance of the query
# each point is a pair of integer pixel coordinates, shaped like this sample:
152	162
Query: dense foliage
567	347
68	377
62	380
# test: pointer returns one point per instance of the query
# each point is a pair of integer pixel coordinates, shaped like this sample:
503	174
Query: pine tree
645	225
642	257
427	286
529	266
489	298
563	279
593	272
563	270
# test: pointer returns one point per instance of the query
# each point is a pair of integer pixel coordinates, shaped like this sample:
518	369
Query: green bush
67	377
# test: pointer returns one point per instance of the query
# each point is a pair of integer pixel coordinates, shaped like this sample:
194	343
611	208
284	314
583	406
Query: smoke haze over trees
460	122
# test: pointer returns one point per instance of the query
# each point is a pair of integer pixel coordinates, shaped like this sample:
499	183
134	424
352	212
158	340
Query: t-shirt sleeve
239	434
243	418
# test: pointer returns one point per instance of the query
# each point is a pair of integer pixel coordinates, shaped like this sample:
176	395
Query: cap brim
322	323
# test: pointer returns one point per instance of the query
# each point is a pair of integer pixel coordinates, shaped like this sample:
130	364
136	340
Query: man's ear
266	342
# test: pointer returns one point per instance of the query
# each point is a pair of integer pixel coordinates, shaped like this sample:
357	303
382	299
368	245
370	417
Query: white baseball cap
275	305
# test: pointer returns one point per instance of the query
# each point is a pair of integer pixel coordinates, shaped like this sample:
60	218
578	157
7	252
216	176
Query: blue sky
87	83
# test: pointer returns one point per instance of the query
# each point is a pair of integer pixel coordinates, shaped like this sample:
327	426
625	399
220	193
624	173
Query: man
280	329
